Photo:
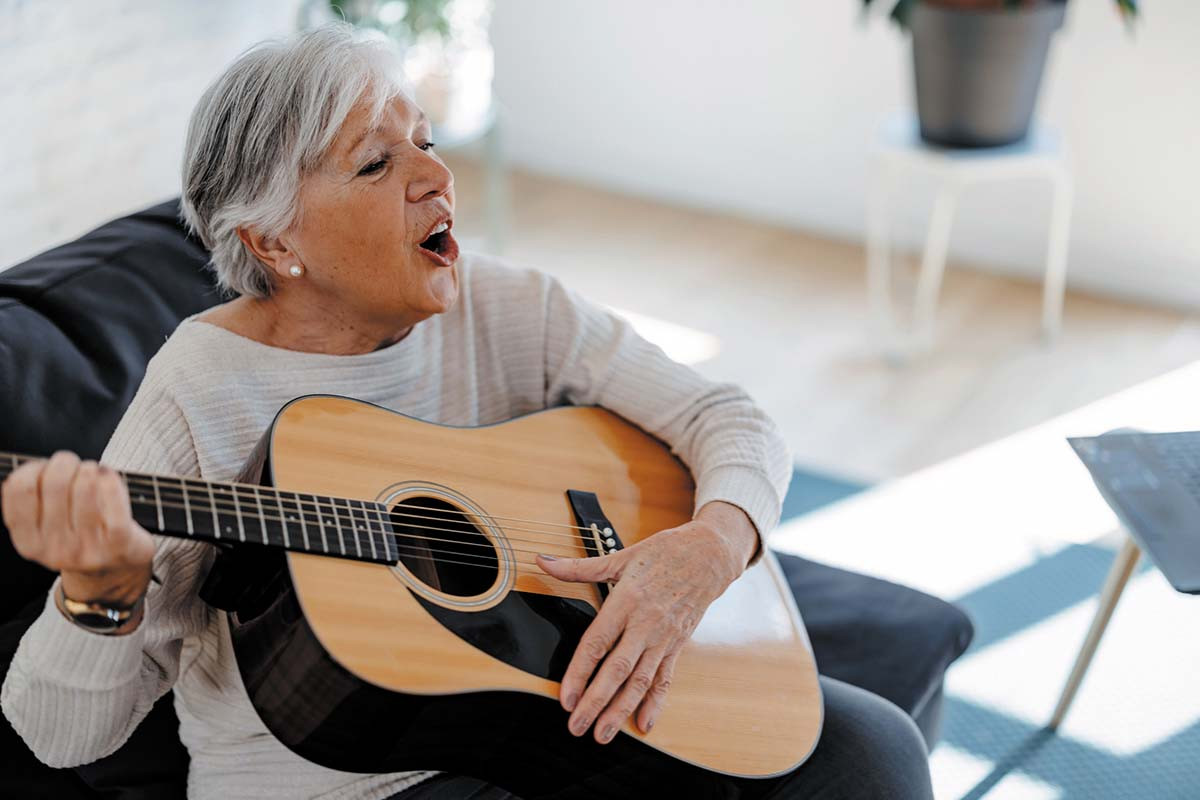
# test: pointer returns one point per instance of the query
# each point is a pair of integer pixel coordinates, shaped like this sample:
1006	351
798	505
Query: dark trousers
868	749
892	643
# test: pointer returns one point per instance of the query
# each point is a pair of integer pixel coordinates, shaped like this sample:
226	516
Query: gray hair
261	126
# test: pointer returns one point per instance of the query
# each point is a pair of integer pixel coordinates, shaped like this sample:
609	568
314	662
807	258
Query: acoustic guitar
386	612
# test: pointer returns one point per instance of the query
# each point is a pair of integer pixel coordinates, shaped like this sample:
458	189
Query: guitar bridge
595	531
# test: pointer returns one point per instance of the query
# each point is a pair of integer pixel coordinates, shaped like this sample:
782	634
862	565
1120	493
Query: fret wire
321	522
383	531
263	520
187	510
337	521
366	523
303	526
370	533
213	499
157	501
237	514
282	517
354	527
362	508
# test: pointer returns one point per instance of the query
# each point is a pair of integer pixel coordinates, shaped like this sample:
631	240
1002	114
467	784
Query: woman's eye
373	167
427	146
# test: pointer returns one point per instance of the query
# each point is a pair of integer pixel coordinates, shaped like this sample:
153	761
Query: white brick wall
94	101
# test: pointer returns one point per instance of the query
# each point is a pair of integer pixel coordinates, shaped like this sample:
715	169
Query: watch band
98	617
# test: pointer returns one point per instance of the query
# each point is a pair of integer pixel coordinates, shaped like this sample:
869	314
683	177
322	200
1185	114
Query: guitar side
345	651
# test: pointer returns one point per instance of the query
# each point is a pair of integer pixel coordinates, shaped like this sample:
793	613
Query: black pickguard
536	633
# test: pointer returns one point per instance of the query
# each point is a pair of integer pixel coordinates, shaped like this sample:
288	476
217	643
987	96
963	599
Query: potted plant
447	55
978	64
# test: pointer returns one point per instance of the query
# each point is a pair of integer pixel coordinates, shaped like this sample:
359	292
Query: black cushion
77	325
888	639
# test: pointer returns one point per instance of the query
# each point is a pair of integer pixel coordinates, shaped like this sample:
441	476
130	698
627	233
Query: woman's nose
434	179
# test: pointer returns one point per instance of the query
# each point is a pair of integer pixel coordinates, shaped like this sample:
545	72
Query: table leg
879	268
1114	584
1056	257
933	263
496	191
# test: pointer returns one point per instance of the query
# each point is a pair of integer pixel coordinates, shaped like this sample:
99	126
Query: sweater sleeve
733	449
76	696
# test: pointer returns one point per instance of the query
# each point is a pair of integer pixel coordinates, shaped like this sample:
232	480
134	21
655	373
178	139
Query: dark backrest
77	325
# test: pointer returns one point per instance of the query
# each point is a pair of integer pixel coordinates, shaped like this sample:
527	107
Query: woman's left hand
663	585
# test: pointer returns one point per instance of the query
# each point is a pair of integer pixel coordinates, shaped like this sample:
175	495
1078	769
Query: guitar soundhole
442	548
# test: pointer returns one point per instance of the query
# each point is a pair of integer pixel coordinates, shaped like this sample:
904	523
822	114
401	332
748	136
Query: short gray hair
264	123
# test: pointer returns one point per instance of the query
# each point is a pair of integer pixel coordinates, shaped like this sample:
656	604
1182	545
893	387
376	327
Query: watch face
96	621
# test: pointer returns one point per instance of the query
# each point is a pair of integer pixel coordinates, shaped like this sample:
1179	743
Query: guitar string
223	505
329	509
356	532
494	567
223	488
248	490
324	509
490	562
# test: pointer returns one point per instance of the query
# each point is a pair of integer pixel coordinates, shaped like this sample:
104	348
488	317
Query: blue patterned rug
1005	755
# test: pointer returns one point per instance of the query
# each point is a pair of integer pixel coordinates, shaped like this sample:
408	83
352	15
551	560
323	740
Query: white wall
769	108
94	101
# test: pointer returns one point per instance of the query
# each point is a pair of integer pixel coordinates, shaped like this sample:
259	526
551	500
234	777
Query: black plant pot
978	72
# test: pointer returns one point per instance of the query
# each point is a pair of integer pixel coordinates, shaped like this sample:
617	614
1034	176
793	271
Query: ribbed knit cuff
749	490
65	654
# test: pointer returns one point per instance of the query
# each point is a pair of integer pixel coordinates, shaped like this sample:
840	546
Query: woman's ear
274	252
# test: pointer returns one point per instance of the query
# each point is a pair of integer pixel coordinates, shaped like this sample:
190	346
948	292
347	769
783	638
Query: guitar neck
233	513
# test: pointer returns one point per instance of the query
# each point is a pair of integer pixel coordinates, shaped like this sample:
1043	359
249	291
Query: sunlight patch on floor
683	344
956	773
1135	695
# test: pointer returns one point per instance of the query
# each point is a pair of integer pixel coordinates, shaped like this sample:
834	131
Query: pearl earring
296	270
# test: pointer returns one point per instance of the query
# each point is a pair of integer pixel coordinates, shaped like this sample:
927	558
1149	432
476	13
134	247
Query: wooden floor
789	311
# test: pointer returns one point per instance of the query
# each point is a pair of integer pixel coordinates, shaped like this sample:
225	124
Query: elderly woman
314	182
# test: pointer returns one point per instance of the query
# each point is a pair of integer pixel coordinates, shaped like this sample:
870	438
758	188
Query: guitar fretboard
192	508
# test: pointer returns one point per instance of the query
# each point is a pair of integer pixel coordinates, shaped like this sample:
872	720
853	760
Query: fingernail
579	727
548	558
569	703
608	734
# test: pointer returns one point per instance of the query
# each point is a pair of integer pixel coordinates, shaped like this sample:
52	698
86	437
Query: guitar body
367	667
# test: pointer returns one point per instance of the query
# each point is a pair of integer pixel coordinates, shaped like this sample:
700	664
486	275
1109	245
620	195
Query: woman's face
370	215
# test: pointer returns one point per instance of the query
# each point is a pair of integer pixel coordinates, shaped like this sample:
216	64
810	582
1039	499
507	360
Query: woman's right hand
73	517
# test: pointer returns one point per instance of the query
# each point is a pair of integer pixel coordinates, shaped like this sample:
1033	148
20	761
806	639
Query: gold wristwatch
98	617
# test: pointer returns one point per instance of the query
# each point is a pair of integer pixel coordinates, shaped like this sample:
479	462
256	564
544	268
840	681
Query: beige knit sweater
515	342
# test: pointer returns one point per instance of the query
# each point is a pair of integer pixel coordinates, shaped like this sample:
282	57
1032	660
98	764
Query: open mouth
440	245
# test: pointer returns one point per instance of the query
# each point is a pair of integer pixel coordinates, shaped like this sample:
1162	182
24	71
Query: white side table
901	151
